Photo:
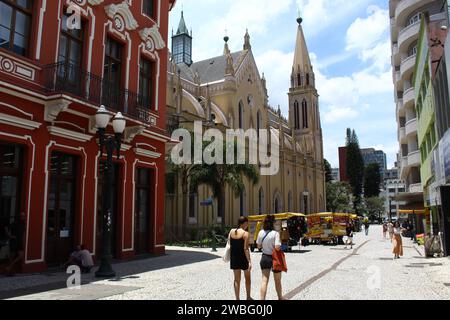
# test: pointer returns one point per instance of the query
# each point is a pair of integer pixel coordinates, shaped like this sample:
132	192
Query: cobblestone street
316	272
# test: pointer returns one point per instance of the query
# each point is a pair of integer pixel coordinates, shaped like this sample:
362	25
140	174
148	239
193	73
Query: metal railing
64	77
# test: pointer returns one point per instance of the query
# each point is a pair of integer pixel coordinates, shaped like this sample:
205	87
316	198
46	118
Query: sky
349	46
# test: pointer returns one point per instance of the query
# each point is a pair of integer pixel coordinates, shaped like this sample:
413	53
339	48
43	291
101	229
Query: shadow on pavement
300	251
124	270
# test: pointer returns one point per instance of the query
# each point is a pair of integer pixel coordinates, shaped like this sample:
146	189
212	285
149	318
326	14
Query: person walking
411	230
269	240
240	259
397	241
366	227
390	227
349	231
385	229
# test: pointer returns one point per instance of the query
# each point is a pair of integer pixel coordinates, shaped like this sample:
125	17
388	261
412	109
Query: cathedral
229	91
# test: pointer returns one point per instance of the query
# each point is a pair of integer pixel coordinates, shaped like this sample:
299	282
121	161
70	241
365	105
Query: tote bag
226	256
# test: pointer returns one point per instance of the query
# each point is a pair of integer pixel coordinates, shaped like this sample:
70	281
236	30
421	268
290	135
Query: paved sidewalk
315	273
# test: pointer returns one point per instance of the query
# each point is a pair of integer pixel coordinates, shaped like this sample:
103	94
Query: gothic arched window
241	115
261	200
305	114
258	122
296	115
242	199
290	209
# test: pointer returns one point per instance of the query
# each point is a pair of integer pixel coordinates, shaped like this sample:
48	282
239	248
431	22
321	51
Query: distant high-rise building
371	156
335	174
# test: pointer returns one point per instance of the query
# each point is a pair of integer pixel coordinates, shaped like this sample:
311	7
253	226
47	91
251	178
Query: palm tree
219	176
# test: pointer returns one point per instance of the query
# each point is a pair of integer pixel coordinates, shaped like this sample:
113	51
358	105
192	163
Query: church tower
304	116
182	44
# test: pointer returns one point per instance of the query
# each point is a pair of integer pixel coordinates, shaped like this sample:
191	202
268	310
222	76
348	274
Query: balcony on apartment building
407	66
66	78
411	127
408	35
408	96
406	7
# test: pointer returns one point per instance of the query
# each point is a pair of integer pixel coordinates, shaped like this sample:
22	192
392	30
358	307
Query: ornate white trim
152	38
121	13
132	132
54	108
18	122
95	2
69	134
147	153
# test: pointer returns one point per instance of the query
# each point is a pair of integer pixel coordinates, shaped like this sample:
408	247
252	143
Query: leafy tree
375	207
372	180
182	172
328	172
355	167
339	197
219	176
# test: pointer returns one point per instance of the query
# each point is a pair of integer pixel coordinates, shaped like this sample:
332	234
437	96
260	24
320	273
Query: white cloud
365	33
277	67
336	114
319	15
238	16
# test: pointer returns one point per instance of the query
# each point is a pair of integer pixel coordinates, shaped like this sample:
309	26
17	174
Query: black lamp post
110	143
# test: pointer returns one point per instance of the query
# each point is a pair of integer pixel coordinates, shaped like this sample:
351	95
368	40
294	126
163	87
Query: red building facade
59	61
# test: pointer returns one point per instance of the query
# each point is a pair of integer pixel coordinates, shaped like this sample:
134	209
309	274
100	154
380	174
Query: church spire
302	72
182	29
226	49
247	45
182	44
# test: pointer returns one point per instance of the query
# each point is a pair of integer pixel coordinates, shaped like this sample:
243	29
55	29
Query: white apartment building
405	26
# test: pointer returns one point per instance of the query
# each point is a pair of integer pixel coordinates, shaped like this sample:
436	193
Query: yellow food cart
291	226
327	227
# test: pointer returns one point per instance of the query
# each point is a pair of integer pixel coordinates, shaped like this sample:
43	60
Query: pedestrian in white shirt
269	240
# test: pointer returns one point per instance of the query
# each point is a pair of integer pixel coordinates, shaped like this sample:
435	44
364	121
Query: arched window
299	79
307	79
305	114
241	115
305	204
258	122
261	200
290	209
296	115
242	203
277	206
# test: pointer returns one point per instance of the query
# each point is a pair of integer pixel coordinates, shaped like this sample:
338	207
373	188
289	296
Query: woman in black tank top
240	257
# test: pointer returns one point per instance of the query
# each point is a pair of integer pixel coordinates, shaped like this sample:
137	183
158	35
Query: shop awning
413	212
278	216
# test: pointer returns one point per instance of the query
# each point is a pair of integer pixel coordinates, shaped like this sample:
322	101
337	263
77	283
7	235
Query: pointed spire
229	70
182	29
226	49
302	71
247	45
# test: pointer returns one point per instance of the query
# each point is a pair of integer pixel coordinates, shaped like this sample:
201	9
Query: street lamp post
110	143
